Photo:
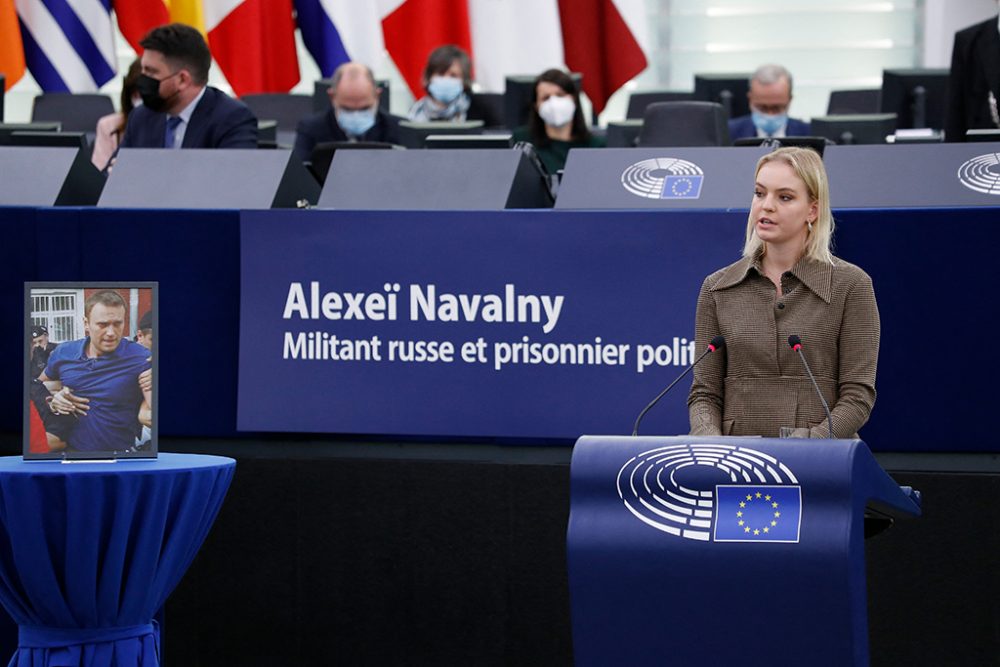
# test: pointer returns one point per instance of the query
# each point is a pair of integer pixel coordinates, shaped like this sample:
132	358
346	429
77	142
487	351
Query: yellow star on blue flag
757	513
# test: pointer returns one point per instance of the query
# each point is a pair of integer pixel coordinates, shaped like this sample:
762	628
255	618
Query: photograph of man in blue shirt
96	379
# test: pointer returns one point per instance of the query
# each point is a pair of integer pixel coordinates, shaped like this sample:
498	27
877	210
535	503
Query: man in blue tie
179	109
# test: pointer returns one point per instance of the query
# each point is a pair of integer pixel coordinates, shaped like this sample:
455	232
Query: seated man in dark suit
770	95
179	109
353	114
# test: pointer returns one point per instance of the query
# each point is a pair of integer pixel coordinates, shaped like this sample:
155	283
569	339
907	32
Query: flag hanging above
599	44
11	51
320	34
504	43
137	17
598	38
68	47
417	27
254	43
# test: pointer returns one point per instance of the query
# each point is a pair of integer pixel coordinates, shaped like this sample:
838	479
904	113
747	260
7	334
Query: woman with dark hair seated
110	128
448	82
556	124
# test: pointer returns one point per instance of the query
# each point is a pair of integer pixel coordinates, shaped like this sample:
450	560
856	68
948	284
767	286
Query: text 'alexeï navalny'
425	302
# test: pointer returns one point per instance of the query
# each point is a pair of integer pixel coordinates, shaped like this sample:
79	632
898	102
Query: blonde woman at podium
789	311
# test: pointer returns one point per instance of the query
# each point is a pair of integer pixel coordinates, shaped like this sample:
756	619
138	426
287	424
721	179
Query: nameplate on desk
47	176
207	179
472	179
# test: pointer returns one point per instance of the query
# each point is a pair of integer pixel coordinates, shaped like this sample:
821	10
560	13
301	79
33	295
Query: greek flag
68	44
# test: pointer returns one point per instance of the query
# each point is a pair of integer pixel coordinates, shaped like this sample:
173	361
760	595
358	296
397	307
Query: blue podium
709	551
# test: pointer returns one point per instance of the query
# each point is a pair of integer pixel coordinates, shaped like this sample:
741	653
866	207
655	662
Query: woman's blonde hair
808	166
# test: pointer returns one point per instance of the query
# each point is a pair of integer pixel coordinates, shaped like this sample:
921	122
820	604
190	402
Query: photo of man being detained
96	380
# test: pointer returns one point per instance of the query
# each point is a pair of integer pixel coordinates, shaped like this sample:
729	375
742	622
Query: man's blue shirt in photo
111	382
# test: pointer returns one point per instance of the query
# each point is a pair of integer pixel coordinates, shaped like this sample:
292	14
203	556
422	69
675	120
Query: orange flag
11	51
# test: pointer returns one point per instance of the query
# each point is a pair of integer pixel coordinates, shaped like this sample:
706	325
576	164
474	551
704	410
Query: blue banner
627	276
510	324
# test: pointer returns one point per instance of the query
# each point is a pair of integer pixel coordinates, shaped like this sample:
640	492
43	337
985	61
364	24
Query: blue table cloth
90	551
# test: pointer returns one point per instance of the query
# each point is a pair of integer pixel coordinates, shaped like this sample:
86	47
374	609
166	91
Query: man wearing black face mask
179	109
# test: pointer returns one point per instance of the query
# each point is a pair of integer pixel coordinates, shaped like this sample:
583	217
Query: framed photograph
90	369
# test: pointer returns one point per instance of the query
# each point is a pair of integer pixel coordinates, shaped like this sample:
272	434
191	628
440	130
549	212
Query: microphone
715	345
796	344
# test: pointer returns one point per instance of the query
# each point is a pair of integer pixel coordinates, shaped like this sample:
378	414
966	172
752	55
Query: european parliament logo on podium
761	519
713	493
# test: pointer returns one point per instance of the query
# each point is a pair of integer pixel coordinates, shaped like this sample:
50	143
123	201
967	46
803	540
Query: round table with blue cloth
90	551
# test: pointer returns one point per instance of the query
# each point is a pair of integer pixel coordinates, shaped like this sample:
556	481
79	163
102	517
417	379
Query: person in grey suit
770	95
179	109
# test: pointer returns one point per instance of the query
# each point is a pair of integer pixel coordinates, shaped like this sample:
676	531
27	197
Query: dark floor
340	553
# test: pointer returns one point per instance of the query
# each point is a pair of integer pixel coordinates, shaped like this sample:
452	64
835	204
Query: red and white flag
138	17
599	43
514	37
601	39
254	43
417	27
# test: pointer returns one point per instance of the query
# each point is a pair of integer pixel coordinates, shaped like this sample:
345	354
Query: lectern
710	551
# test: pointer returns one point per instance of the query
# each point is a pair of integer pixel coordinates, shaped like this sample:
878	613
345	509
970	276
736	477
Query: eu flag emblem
757	513
681	187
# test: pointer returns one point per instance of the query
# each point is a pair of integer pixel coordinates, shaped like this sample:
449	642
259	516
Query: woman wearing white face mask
449	97
556	124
